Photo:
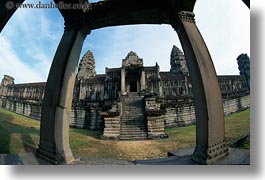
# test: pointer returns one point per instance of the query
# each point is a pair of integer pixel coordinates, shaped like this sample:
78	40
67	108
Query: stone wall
30	109
234	105
185	114
90	118
89	93
180	116
86	118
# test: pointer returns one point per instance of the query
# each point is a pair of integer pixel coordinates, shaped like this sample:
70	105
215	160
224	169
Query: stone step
138	125
132	119
133	133
132	112
133	130
135	125
123	124
132	108
131	115
133	137
133	103
129	125
133	99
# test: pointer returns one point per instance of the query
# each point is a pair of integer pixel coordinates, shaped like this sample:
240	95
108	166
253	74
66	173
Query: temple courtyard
19	137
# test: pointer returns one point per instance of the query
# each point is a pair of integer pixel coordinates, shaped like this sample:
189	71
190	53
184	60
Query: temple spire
87	66
178	62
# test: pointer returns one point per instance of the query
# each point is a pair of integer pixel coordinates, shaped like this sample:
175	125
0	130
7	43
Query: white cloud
153	43
224	25
12	65
226	30
34	37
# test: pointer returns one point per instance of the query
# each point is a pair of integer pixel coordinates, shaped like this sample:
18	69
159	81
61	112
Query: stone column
56	105
142	80
210	145
123	91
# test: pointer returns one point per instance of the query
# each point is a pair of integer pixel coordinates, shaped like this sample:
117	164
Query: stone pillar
210	145
56	106
142	80
123	91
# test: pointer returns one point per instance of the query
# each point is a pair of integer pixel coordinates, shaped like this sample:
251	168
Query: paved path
178	157
183	157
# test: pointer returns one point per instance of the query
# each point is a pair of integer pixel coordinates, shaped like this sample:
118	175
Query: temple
130	102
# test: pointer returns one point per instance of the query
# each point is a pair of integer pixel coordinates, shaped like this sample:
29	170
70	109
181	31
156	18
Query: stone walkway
178	157
21	159
183	157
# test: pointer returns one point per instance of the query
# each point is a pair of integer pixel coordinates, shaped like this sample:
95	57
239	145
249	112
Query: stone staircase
133	123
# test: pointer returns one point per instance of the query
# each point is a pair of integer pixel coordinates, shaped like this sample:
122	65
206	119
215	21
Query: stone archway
210	144
54	141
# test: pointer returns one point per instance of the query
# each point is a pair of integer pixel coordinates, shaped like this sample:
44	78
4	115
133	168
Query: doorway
133	86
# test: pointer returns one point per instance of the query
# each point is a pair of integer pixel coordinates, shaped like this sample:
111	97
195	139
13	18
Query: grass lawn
19	134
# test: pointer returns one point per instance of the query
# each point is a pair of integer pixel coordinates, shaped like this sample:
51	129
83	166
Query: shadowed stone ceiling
120	12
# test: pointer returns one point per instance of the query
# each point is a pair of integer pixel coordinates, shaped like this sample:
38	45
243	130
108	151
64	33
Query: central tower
132	74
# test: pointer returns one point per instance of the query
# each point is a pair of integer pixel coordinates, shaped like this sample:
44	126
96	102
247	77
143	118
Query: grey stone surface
178	157
21	159
7	159
236	157
184	157
173	160
181	152
101	161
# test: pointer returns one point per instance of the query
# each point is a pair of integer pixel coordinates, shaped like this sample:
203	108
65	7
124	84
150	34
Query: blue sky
29	40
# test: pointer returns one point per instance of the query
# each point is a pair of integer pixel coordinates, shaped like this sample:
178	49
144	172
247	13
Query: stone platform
178	157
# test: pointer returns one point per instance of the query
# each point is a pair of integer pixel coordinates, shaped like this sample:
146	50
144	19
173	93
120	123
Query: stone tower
7	80
243	62
87	66
178	62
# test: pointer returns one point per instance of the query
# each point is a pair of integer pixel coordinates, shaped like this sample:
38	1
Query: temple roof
132	59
